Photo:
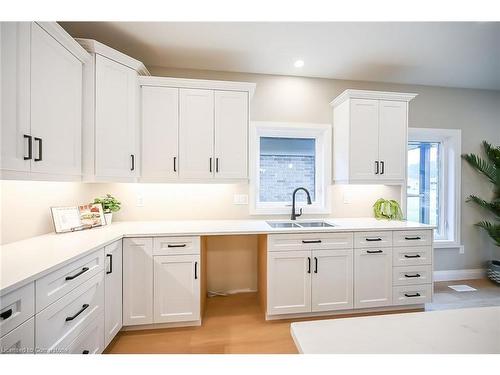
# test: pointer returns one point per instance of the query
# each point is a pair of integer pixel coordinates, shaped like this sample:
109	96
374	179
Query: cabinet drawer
176	245
20	340
91	340
309	241
60	323
372	239
412	294
412	275
411	256
412	238
16	307
56	284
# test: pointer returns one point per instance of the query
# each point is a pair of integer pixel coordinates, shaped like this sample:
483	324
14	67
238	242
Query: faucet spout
294	215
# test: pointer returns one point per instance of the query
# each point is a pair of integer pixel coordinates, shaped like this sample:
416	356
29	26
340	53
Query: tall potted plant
490	168
109	205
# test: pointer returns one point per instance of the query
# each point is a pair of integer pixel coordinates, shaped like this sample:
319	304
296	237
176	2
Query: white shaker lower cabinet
137	281
289	282
21	340
372	277
113	291
332	286
176	288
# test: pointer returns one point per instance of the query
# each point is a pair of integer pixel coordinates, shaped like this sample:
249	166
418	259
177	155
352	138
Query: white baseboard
467	274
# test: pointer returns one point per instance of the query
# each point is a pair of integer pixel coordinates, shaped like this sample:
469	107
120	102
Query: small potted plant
109	205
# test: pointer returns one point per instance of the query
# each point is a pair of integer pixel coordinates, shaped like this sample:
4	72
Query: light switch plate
240	199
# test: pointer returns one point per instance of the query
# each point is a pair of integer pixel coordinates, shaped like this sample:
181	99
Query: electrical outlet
240	199
461	249
140	200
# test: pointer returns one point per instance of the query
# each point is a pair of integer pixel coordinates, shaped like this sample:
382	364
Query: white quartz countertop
460	331
26	260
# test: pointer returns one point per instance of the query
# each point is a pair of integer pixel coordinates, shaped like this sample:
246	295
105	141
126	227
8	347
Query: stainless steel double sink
299	224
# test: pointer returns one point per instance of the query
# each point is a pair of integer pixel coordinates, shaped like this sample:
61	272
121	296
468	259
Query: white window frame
450	174
322	133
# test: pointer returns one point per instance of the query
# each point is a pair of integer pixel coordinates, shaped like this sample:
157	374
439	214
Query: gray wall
476	112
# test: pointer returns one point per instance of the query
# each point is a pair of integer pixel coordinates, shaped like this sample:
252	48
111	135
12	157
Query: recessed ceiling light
299	63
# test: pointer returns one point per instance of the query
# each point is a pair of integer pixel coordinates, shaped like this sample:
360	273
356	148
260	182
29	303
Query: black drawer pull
40	150
175	163
85	352
410	276
308	265
382	165
181	245
132	159
311	241
195	270
373	239
412	295
412	256
6	314
374	251
84	269
30	147
412	238
110	263
84	307
376	167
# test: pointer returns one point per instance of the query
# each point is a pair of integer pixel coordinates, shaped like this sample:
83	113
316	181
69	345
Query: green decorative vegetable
109	203
387	209
490	168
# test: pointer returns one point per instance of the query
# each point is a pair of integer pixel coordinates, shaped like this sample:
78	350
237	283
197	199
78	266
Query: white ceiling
461	54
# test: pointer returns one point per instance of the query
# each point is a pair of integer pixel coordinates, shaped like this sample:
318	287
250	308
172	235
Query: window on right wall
433	187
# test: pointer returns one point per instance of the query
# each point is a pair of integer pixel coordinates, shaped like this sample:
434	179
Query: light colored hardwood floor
235	324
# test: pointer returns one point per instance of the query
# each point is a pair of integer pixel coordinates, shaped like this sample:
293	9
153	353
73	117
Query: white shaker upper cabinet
369	137
393	139
231	134
196	134
160	133
115	119
56	106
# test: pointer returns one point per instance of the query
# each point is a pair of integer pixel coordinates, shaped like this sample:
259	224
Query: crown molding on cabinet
199	84
93	46
58	33
378	95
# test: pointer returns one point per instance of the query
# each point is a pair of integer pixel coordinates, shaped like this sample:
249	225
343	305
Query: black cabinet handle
412	295
412	256
308	265
315	265
382	164
84	269
175	163
84	307
181	245
30	147
85	352
374	251
373	239
217	165
376	167
110	263
311	241
210	165
40	149
195	270
132	158
6	314
411	276
412	238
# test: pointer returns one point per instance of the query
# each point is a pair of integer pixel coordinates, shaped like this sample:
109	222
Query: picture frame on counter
75	218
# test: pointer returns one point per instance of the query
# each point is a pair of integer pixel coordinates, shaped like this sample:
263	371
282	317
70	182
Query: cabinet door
363	140
137	281
372	277
113	291
56	106
160	132
116	122
176	288
15	95
21	340
196	134
392	140
332	280
289	282
231	134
